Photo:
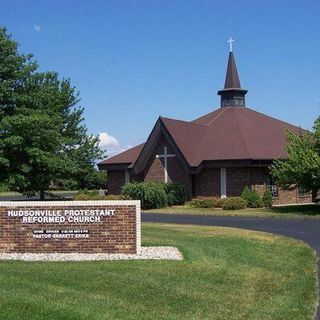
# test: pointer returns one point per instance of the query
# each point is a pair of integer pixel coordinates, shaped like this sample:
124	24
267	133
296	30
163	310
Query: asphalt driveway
303	229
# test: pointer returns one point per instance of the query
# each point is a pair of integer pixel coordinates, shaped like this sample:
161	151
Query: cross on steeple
230	43
232	95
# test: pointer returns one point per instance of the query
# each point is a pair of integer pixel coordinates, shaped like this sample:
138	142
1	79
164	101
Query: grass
310	211
226	274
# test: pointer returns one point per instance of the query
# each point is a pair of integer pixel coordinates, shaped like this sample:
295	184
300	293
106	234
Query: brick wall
115	181
291	197
114	233
176	172
239	178
155	171
257	177
207	183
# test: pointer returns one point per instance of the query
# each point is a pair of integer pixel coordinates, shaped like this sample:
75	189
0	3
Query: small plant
267	198
252	198
233	203
246	193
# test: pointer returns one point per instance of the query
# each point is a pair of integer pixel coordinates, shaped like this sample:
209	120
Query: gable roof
127	157
230	133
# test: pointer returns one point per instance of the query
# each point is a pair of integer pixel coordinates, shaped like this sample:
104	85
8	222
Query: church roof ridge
184	121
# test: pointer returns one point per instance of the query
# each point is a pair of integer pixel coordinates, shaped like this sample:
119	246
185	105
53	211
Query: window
274	190
272	187
303	192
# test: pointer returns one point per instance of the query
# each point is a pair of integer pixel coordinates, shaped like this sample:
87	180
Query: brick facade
112	233
207	183
156	169
239	178
115	180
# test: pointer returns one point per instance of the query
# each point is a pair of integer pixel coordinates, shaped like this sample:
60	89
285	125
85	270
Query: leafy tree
302	168
42	135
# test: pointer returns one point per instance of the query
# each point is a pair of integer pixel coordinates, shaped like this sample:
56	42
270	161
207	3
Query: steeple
232	95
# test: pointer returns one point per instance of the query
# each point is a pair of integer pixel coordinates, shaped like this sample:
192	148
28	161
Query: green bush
267	198
4	187
87	192
233	203
84	196
116	197
202	203
152	195
176	193
252	198
255	200
246	193
96	196
206	203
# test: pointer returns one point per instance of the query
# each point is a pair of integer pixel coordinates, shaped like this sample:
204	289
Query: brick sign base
70	227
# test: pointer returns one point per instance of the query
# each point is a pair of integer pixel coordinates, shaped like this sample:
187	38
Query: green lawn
299	211
226	274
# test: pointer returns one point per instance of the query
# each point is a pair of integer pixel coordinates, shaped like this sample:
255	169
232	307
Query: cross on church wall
165	157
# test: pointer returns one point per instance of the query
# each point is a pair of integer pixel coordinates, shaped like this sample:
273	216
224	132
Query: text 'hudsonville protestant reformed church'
60	216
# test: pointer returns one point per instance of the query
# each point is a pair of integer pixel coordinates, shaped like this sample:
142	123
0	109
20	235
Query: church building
216	155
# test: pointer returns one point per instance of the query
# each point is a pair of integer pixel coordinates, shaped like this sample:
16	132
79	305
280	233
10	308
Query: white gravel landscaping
146	253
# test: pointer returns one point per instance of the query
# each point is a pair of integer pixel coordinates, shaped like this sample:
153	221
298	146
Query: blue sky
135	60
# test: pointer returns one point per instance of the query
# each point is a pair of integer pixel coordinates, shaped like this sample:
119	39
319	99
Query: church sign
70	227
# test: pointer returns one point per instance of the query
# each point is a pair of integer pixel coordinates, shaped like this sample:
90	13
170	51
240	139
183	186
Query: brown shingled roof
127	157
231	133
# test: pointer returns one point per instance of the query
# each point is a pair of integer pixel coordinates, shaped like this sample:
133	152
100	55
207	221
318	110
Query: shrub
202	203
176	193
233	203
206	203
116	197
87	192
252	198
152	195
267	198
255	200
246	193
95	196
82	196
4	187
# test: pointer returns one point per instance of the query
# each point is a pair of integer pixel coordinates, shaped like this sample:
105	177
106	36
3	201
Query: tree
302	168
43	138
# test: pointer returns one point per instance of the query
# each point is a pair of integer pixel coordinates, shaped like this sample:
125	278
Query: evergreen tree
42	135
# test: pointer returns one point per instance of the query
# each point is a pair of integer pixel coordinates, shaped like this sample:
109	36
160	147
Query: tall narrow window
272	187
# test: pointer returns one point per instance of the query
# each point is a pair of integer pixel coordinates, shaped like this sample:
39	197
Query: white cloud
36	28
107	141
